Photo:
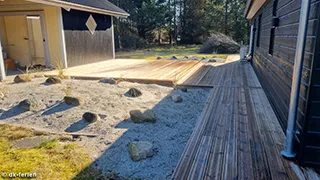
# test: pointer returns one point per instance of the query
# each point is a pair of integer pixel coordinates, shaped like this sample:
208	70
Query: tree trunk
226	17
175	22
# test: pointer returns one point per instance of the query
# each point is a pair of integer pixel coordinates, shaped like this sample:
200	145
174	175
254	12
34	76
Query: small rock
140	150
90	117
212	60
65	138
53	80
194	58
203	58
176	98
28	105
138	117
159	58
108	81
173	58
1	95
186	57
22	78
72	100
184	89
133	92
107	143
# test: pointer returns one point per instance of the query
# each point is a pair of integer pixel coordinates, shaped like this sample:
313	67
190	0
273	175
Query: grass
51	160
68	89
166	53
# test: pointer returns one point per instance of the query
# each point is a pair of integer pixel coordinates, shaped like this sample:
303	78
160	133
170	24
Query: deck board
238	135
159	71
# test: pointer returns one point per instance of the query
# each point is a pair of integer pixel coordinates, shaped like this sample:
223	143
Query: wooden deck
238	135
159	71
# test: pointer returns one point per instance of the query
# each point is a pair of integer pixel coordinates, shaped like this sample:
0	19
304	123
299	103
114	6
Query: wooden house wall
83	47
312	129
275	71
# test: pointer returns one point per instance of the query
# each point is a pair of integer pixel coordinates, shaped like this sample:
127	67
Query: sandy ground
169	134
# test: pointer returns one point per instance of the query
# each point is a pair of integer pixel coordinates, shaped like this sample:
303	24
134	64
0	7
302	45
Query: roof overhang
252	7
68	5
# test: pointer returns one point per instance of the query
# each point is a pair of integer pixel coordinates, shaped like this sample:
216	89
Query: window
273	28
259	30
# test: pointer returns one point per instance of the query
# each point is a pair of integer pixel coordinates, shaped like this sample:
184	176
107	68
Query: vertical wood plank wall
275	71
83	47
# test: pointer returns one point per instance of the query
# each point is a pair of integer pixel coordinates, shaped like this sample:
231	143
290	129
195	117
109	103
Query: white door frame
62	39
43	29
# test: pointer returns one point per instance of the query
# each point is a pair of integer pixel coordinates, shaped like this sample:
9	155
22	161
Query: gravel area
109	150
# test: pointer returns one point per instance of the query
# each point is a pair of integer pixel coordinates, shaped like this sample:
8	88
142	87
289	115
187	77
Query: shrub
133	42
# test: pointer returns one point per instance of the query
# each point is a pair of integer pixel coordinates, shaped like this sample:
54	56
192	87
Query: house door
17	46
36	40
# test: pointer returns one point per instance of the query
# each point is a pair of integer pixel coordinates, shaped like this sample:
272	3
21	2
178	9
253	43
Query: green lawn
167	53
51	160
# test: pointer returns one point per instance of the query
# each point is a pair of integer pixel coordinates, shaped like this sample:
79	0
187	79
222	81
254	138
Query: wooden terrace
238	135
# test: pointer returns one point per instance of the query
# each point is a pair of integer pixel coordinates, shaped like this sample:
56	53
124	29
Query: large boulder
28	105
70	100
140	150
22	78
220	43
53	80
138	117
90	117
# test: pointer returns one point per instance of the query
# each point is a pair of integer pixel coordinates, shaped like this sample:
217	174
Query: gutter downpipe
251	41
296	80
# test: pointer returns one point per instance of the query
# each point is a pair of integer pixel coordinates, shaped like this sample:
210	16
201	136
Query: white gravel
169	135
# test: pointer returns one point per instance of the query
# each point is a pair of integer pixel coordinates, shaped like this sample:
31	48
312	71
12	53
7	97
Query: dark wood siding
312	129
275	71
83	47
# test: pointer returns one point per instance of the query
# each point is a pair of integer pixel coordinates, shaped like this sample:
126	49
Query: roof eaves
64	4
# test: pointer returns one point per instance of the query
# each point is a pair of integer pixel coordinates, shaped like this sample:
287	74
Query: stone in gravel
53	80
108	81
140	150
133	92
173	58
72	100
186	57
176	98
194	58
22	78
1	95
28	105
184	89
65	138
212	60
159	58
203	58
90	117
138	117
